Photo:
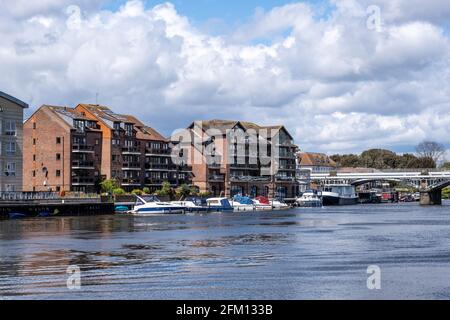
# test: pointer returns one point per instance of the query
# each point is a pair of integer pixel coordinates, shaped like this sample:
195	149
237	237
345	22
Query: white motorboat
310	199
201	205
149	205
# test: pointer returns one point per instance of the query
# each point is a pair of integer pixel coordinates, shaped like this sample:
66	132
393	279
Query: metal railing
48	197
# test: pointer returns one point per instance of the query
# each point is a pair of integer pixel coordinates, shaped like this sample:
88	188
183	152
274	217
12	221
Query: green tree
183	191
109	185
166	190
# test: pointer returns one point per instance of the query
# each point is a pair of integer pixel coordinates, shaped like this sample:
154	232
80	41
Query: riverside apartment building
236	157
74	149
11	139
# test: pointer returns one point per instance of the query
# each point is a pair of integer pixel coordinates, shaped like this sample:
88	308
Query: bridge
429	182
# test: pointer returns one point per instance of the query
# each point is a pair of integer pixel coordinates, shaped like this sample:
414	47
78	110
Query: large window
10	148
10	128
10	169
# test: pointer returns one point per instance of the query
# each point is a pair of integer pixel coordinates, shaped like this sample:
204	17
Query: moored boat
152	205
310	199
339	195
202	205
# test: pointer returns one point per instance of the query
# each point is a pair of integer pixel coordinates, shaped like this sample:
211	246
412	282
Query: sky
341	75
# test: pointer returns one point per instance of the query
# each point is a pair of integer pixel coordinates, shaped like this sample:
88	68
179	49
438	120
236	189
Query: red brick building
62	151
134	154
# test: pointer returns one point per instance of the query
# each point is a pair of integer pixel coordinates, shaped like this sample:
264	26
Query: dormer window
117	126
129	129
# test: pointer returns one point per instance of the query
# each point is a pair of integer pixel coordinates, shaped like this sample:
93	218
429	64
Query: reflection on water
299	254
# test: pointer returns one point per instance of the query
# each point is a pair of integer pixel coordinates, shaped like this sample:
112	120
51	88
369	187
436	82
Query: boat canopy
243	200
263	200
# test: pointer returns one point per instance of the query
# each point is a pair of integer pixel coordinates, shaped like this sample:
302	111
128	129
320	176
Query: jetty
47	204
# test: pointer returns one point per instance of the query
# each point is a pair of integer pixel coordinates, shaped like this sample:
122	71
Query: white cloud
335	84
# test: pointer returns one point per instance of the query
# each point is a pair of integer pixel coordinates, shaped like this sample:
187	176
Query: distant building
11	142
315	162
62	151
261	162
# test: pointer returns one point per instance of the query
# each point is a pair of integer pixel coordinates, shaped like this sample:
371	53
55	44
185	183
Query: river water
298	254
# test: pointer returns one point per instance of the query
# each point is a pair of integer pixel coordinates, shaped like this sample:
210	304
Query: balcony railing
83	164
159	152
249	179
131	165
133	150
217	178
83	181
285	179
131	181
152	166
82	148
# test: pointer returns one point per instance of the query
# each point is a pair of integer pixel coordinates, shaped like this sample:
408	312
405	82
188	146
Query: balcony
158	182
244	167
83	181
80	148
291	167
80	164
249	179
216	178
131	166
131	182
285	179
157	167
289	155
158	152
131	150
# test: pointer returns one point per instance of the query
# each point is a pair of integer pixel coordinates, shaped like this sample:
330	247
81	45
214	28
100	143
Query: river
297	254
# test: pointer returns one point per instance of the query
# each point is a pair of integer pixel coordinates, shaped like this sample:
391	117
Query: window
10	128
129	129
34	125
11	148
34	173
58	156
58	173
10	188
58	140
10	169
34	157
97	142
34	142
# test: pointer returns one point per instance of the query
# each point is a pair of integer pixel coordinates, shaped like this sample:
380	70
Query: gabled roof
13	100
315	159
142	131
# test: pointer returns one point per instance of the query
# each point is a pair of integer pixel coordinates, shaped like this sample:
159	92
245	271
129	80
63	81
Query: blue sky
230	11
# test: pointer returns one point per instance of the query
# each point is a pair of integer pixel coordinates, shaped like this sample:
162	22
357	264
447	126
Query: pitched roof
143	132
13	100
315	159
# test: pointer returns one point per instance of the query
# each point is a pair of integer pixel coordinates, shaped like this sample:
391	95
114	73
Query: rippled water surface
297	254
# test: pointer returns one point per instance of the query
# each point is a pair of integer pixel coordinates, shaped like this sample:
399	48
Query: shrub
137	192
146	190
118	192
